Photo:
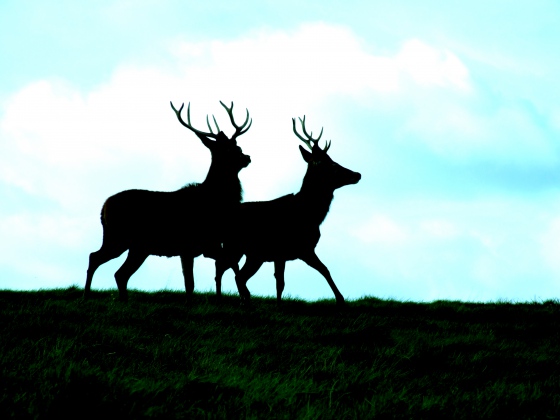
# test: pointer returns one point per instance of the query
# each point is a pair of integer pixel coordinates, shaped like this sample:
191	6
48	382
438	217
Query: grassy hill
157	357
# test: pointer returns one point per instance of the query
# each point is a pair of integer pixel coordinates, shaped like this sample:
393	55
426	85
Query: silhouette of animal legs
221	267
279	267
313	261
223	262
187	264
132	263
99	258
249	269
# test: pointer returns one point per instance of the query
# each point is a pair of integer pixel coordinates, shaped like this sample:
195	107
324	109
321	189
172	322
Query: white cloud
478	249
313	62
440	229
51	129
73	148
432	67
381	229
466	131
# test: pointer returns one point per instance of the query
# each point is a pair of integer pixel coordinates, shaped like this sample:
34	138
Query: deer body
286	228
181	223
159	223
272	230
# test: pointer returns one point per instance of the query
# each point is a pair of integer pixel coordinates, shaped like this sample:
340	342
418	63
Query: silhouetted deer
286	228
187	222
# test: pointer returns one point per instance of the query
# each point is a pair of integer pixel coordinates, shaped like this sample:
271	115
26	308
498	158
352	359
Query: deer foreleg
187	264
249	269
313	261
221	267
279	267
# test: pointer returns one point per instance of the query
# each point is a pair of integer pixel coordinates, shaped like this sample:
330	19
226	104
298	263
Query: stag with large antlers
286	228
187	222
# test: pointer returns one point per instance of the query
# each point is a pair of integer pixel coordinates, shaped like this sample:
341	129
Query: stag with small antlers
187	222
286	228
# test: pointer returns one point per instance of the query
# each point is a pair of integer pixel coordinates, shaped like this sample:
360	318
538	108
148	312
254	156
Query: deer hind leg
221	267
249	269
132	263
187	264
98	258
313	261
224	262
279	267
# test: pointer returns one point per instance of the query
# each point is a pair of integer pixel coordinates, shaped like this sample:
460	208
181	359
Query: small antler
309	141
188	123
215	122
239	130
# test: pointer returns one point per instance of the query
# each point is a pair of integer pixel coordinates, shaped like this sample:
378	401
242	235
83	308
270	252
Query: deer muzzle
245	161
356	176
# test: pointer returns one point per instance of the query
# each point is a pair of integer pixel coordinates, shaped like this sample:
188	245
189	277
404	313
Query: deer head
224	150
323	172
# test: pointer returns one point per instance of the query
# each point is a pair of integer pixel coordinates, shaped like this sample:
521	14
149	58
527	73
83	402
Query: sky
449	110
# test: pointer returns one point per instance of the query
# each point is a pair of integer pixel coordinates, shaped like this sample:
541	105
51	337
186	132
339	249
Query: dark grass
158	357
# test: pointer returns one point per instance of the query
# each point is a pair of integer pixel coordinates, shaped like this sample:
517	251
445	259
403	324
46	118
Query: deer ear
305	154
206	141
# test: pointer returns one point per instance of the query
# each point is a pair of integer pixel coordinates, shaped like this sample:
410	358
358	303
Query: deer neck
315	199
224	184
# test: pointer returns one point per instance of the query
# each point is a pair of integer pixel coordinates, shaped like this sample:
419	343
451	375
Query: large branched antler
309	141
188	123
239	130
